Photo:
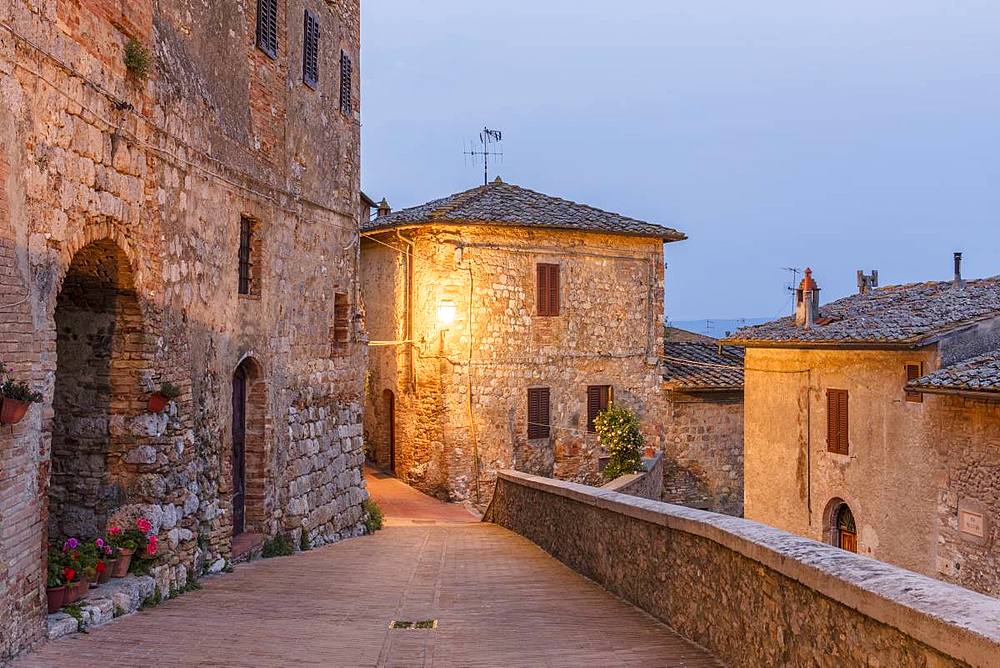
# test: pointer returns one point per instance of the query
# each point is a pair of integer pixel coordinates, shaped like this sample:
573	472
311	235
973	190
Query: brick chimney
383	208
806	302
957	282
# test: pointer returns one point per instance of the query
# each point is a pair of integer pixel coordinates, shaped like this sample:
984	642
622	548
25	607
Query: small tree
618	429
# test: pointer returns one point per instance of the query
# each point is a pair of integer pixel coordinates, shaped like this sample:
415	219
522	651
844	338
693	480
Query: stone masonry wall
753	595
607	333
98	165
703	443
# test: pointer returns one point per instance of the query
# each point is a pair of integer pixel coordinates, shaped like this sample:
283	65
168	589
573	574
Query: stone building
501	321
703	424
840	448
179	203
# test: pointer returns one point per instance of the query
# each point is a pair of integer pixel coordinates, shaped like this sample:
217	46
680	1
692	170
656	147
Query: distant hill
717	329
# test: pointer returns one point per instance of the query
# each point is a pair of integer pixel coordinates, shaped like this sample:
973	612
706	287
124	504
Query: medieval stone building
178	204
502	320
844	444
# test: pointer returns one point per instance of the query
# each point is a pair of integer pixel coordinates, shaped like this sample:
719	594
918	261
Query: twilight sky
775	133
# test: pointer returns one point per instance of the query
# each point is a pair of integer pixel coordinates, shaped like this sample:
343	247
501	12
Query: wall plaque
971	523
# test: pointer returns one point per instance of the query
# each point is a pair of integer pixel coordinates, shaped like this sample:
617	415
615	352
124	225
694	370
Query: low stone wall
752	594
647	485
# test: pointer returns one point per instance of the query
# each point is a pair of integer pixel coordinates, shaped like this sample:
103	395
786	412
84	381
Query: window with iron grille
341	321
310	50
837	422
346	72
598	398
246	257
267	27
914	371
547	288
538	412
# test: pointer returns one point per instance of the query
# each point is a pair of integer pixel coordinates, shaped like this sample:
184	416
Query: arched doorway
841	530
248	454
390	415
100	352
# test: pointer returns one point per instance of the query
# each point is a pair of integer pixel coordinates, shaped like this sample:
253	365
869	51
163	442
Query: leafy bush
373	516
618	430
136	59
169	390
279	546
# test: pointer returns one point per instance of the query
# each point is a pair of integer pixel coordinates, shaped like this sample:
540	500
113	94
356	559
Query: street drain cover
423	624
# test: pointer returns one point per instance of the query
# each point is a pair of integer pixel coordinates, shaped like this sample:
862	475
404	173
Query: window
246	257
310	50
548	289
914	371
836	421
267	27
598	398
538	412
341	321
346	71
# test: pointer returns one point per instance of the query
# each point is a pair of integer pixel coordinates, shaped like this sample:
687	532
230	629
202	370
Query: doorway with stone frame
248	458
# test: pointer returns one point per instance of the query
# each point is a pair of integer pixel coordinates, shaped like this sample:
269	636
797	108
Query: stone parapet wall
752	594
646	485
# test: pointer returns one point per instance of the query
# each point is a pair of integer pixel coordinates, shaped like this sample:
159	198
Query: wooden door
239	450
849	541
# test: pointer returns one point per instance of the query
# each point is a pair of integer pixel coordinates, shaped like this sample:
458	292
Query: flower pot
56	597
123	562
104	575
12	410
72	593
157	402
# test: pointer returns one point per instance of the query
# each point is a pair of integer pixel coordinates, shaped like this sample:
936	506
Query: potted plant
55	587
76	582
158	400
17	397
123	543
103	551
88	561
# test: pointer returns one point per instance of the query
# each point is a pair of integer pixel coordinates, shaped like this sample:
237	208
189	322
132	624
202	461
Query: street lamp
446	312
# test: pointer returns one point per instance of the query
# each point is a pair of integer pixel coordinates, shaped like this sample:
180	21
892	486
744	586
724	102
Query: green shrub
373	516
136	59
279	546
304	544
618	430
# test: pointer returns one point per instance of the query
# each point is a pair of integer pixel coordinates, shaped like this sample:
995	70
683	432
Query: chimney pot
383	208
807	301
957	281
867	282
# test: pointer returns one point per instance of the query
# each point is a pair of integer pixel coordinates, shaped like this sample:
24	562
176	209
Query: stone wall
608	333
753	595
120	208
647	484
703	444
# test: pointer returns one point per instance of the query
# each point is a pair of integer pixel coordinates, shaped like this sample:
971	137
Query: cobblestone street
498	601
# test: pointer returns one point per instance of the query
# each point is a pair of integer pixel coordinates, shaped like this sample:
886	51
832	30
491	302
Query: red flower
151	545
114	531
101	567
143	524
69	573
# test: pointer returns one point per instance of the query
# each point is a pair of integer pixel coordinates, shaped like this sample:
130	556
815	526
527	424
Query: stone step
118	597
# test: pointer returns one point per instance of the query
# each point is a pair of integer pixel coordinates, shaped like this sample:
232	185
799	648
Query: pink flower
143	524
114	531
151	546
108	550
71	544
99	542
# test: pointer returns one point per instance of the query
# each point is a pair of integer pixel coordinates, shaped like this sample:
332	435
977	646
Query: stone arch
102	353
839	527
249	452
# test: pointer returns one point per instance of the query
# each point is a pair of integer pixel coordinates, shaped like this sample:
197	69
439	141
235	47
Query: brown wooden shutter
553	289
837	421
547	288
538	412
914	371
842	421
245	259
598	398
346	74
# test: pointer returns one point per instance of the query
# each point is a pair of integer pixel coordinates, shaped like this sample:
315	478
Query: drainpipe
408	296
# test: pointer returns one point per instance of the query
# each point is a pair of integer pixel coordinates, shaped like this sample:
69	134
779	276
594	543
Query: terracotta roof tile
702	366
976	374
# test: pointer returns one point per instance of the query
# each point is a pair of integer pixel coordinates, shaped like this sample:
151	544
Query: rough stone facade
911	468
608	332
121	200
753	595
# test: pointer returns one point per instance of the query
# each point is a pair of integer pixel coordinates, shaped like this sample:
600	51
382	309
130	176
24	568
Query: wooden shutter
837	421
310	50
914	371
346	74
341	321
538	412
598	398
267	27
245	260
547	287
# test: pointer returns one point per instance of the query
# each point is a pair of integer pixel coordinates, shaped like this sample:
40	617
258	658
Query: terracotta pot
82	586
157	402
123	562
56	597
12	411
106	575
72	593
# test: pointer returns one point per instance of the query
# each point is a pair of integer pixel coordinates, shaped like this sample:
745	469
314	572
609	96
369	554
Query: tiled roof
702	366
678	335
896	314
976	374
502	203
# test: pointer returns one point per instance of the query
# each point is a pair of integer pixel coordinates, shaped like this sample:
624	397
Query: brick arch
257	454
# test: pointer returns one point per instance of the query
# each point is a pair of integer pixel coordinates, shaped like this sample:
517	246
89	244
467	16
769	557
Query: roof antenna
492	146
794	285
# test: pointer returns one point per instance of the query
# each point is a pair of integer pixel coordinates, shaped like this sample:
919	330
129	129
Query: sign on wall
971	523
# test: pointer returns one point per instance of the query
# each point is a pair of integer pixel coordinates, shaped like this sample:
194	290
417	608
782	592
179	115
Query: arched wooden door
847	533
239	449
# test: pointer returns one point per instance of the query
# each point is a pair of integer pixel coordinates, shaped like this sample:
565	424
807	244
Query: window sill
253	296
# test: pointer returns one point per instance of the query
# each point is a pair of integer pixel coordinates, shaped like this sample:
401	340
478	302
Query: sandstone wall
647	484
608	333
703	441
156	175
754	595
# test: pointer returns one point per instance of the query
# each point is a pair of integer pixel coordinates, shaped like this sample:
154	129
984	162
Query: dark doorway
847	533
239	449
390	413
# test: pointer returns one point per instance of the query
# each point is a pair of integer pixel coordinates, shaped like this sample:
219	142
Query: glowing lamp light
446	312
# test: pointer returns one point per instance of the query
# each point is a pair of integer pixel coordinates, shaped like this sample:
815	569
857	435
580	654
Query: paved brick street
498	599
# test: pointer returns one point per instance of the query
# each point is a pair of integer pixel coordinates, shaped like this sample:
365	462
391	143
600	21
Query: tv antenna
491	142
795	281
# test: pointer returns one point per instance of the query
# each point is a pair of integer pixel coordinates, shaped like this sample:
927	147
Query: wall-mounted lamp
446	312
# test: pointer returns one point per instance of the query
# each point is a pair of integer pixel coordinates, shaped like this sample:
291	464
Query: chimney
957	282
383	208
867	282
806	302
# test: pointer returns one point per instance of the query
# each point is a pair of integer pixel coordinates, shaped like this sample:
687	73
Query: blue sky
839	135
